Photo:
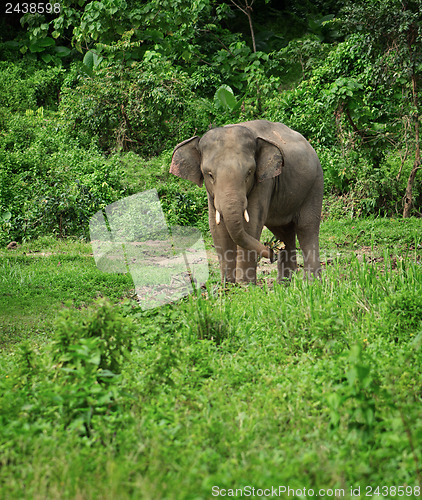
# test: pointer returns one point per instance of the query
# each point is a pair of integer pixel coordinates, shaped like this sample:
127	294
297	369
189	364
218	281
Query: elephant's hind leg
309	244
286	262
307	230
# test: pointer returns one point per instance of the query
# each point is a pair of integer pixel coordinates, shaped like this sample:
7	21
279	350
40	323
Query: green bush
29	85
403	315
185	208
76	381
147	107
362	187
49	184
111	335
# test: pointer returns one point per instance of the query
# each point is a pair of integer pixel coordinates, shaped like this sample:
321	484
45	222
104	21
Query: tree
392	38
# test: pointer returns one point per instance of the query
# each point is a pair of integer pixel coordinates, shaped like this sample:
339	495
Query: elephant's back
297	150
275	132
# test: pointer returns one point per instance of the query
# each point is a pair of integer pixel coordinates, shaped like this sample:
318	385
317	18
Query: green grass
311	385
40	277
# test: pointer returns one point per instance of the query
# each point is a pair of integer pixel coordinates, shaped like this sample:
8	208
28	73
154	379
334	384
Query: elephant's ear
186	161
269	159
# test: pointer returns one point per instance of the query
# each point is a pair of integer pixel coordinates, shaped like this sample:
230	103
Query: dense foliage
83	87
314	385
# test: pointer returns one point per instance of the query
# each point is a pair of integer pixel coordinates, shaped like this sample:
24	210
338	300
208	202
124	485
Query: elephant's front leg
247	259
224	246
246	265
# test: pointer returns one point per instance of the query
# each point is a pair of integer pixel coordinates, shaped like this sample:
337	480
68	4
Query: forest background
308	384
94	95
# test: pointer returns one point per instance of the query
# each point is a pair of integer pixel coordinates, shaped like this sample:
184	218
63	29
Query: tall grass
311	384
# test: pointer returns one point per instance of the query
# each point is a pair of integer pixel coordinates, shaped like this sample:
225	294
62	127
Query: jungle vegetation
312	386
91	91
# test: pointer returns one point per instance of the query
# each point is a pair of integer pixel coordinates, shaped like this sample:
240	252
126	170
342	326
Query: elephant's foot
286	265
246	275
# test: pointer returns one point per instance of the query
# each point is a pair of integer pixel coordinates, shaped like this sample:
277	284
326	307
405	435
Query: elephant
257	173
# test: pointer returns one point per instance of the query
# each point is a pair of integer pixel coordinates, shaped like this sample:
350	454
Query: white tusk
217	217
246	215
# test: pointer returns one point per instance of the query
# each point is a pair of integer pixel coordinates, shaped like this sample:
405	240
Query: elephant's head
231	161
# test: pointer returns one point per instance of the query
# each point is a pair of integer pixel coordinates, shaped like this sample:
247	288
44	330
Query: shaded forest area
94	95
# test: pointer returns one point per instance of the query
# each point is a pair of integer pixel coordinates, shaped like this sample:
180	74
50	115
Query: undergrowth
311	385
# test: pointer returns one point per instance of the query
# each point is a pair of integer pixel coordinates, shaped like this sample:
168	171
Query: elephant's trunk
235	216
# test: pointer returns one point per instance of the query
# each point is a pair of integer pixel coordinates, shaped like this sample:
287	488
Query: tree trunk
247	10
408	197
248	13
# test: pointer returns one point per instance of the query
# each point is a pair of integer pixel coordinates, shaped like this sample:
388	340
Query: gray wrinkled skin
272	172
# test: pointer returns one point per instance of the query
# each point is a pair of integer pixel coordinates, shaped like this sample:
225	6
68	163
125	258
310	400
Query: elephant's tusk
217	217
246	215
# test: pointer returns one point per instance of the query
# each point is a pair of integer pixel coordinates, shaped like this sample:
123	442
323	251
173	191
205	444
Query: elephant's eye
210	176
